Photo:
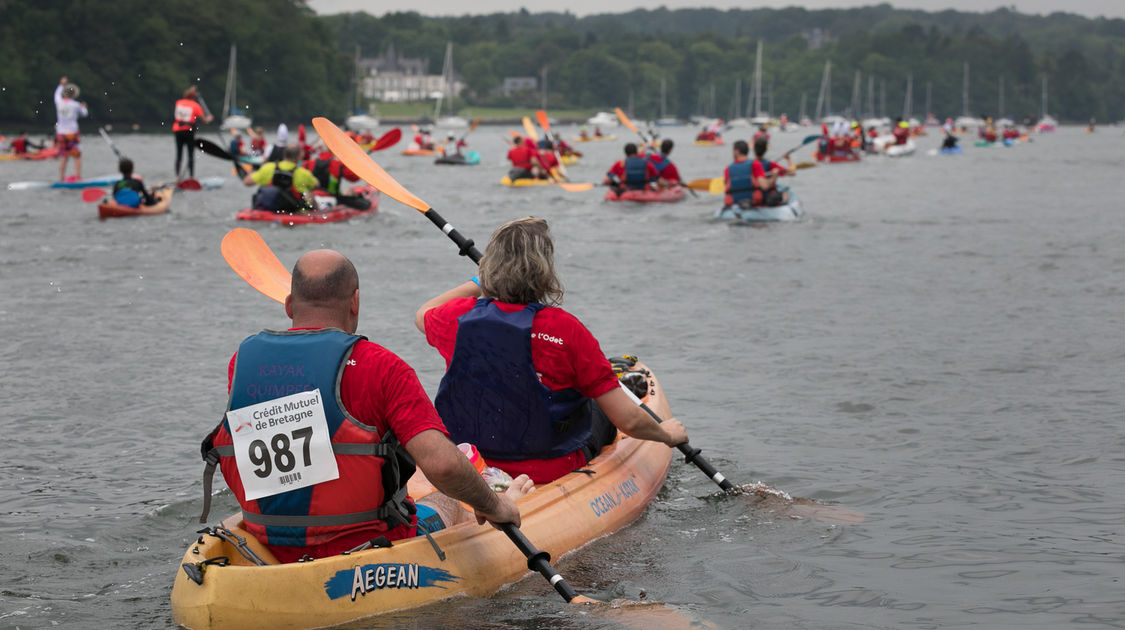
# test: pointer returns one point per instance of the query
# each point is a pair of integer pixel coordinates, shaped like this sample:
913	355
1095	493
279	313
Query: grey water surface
937	346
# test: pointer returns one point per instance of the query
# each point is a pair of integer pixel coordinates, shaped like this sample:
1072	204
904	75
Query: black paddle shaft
693	455
212	149
539	561
466	247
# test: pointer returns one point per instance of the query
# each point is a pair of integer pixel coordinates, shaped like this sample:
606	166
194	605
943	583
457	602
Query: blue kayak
789	211
954	150
82	183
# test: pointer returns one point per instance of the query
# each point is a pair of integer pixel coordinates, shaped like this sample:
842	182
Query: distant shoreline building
393	78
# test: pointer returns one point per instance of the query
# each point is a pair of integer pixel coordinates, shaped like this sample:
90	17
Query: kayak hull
666	195
332	214
518	183
467	159
593	138
113	210
832	158
790	211
558	518
901	150
956	150
421	152
709	143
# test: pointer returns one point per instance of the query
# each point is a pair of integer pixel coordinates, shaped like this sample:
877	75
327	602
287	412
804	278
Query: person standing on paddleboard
323	429
186	117
67	111
508	346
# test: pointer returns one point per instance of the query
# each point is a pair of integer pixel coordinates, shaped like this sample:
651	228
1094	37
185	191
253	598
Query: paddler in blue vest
754	183
323	428
526	382
633	173
130	191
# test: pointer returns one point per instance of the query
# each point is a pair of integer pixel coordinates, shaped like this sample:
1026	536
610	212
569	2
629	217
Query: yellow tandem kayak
558	517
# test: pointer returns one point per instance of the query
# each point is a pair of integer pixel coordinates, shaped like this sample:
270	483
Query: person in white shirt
68	110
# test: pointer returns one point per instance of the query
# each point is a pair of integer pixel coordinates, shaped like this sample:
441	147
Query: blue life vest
741	181
636	170
127	197
491	396
372	483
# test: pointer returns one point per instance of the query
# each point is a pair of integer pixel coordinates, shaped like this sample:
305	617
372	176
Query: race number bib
282	444
184	114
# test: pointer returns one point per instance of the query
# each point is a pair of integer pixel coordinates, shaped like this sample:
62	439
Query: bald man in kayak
323	428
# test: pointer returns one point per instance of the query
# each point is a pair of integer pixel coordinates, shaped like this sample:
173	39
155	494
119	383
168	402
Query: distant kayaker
547	159
453	145
283	184
130	191
324	429
186	116
632	173
665	169
761	133
67	111
20	145
236	143
526	382
521	157
276	151
257	140
901	131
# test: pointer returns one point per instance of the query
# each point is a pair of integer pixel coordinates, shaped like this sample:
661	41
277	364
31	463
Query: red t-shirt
669	172
565	355
547	159
379	389
520	157
185	114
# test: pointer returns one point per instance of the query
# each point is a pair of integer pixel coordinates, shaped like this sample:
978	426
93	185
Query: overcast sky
1090	8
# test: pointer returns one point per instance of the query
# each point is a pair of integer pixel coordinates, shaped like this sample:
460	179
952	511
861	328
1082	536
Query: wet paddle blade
544	122
247	253
387	140
800	165
700	184
90	195
625	120
717	186
362	165
530	129
569	187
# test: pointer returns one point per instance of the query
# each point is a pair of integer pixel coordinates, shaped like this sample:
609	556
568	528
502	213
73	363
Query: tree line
133	58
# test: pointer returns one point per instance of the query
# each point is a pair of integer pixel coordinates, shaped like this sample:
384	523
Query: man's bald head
323	279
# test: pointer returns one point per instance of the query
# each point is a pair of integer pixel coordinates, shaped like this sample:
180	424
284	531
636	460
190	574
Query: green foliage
133	58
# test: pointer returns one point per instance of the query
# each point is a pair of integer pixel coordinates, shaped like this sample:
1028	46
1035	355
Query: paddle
90	195
105	135
247	253
545	123
210	148
476	123
387	140
534	136
700	184
628	123
813	138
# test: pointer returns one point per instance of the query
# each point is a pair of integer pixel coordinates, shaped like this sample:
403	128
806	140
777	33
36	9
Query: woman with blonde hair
526	382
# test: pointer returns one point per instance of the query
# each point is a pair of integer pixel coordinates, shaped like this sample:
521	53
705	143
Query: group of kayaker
526	383
638	171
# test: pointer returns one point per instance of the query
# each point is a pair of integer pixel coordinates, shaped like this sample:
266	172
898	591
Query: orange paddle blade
625	120
362	165
575	187
247	253
544	122
530	129
699	184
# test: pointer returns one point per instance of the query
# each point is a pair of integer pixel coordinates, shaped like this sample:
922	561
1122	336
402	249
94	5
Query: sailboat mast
871	95
929	99
820	98
801	116
855	95
229	96
908	103
1000	109
758	81
965	92
1043	103
737	98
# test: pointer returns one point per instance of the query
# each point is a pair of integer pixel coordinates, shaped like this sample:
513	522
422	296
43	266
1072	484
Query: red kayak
111	209
835	157
675	193
338	212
